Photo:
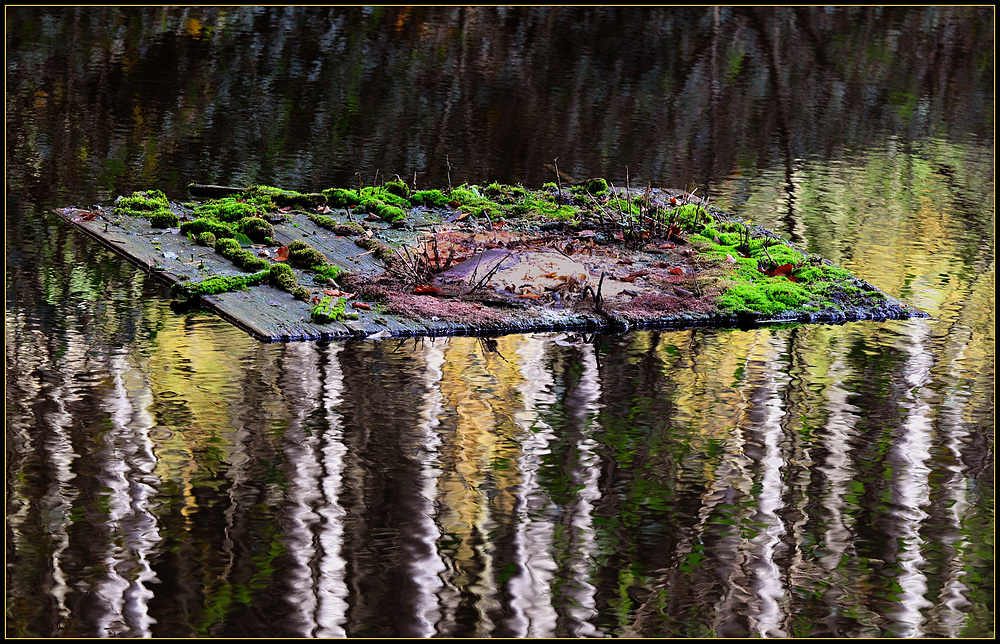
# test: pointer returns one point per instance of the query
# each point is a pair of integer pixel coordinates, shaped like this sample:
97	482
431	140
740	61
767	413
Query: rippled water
802	481
168	476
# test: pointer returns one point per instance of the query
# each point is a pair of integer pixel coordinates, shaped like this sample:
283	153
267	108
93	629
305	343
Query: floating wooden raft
271	314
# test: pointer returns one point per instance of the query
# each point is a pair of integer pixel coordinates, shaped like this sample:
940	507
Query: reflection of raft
500	281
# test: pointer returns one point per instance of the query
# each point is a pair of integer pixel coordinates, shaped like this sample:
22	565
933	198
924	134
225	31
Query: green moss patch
163	219
342	197
201	225
142	203
343	229
256	229
219	284
430	198
243	258
278	198
329	309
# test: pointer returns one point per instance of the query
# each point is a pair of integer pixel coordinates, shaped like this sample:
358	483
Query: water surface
167	475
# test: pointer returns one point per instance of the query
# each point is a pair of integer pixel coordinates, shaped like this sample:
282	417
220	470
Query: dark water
169	476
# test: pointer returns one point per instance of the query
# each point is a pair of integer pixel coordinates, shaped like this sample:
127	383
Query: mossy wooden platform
606	274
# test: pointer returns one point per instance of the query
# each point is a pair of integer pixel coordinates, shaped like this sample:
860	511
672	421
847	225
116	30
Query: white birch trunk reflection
332	591
949	616
581	603
127	477
531	598
425	564
909	457
58	498
767	609
838	470
302	385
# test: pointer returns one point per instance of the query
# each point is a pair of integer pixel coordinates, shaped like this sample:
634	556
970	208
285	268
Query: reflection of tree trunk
454	95
583	468
713	109
533	614
741	525
302	528
782	104
911	488
384	527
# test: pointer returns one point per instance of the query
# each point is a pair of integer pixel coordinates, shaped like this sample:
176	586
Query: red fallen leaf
454	204
661	265
784	269
285	209
673	201
676	271
668	244
315	299
362	306
499	224
462	216
426	289
631	276
530	296
624	260
792	278
263	253
282	254
337	293
88	216
672	231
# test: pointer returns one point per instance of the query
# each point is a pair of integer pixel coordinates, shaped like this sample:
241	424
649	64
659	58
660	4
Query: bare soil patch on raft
389	261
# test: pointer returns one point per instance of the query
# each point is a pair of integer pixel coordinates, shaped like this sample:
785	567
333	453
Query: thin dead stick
478	262
598	204
618	199
598	299
555	164
486	278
